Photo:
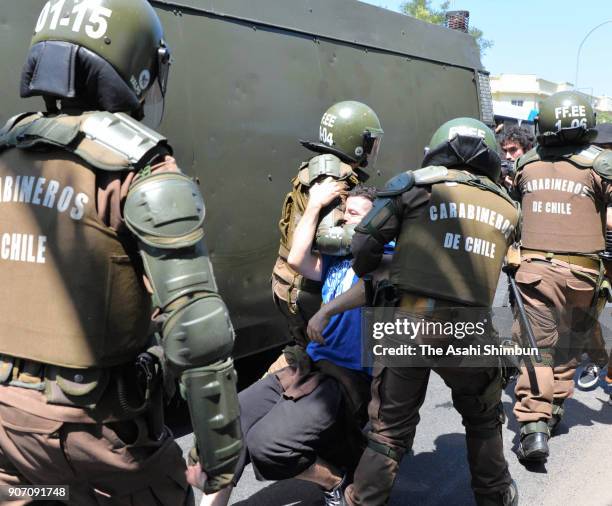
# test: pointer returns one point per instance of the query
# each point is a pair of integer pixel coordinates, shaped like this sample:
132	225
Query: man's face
512	150
356	209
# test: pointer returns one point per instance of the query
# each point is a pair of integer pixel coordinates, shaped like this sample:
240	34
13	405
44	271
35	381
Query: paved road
578	473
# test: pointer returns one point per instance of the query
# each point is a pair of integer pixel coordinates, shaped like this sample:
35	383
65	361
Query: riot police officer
564	189
94	211
455	195
349	138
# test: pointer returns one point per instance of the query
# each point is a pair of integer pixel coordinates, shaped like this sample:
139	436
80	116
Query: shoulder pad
31	130
321	166
301	177
165	211
430	175
602	164
105	140
586	157
420	177
324	165
16	119
8	138
115	141
531	156
397	185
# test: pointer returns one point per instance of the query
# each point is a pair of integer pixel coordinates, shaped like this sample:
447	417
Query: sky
542	37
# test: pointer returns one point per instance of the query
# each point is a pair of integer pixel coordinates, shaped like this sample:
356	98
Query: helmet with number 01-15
107	54
565	117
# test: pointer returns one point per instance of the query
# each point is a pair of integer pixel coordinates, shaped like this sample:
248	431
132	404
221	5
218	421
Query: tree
604	117
422	9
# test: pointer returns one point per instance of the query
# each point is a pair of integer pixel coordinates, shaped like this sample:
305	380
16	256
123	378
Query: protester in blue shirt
296	420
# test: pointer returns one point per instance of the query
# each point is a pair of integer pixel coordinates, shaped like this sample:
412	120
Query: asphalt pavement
578	471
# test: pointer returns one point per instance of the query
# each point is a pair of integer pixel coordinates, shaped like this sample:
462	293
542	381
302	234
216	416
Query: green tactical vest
71	295
563	199
456	247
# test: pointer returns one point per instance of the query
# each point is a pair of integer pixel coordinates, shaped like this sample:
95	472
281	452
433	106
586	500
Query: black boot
508	497
534	441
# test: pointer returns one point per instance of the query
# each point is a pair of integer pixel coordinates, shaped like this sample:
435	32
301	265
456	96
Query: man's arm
301	258
354	297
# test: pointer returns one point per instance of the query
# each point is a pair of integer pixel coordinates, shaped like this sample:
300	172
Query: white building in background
604	104
517	95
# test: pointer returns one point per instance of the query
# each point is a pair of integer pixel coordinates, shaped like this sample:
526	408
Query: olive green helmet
468	127
465	142
565	117
350	130
126	34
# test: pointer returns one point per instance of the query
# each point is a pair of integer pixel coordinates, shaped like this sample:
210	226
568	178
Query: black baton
518	299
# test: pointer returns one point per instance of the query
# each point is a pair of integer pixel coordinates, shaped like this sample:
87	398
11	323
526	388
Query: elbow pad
198	333
380	213
385	205
335	241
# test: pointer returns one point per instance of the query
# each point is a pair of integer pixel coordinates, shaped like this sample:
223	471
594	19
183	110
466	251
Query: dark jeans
282	436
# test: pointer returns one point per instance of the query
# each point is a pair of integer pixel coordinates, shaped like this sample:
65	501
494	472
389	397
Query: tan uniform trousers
397	395
114	463
557	298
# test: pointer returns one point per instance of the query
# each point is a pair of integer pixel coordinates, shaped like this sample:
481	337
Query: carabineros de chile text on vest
470	244
36	191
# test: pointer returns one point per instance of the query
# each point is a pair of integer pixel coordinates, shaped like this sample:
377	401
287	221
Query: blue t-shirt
343	332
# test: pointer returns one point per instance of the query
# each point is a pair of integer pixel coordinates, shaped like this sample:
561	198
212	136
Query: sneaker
335	496
589	377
